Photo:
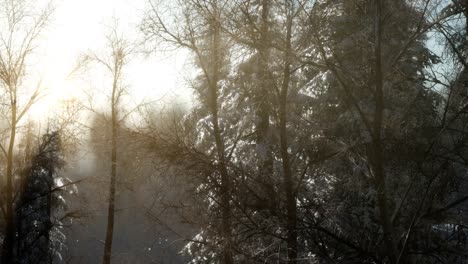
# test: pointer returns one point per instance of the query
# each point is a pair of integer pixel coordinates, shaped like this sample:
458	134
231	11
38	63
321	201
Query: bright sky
78	26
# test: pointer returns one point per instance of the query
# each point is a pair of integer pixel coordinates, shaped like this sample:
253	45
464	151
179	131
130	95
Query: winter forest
233	131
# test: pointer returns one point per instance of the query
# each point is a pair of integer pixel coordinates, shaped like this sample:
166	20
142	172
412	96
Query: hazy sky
78	26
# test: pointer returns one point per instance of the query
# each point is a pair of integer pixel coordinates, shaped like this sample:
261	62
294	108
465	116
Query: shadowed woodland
319	131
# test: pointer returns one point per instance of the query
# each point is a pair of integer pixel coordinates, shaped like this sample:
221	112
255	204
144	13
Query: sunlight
69	36
222	131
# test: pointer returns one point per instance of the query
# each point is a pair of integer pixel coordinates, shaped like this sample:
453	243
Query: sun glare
69	36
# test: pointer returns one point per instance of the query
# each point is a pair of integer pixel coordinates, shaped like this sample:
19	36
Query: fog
233	131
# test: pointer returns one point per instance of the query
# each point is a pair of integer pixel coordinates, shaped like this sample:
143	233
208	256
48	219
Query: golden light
78	27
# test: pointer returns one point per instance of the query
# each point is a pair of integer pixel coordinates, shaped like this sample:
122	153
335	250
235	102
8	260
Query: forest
299	131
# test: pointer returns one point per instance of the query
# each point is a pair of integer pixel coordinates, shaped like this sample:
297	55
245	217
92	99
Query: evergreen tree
39	235
384	121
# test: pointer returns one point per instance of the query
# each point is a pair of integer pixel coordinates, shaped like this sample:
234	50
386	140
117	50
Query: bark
263	111
113	175
225	187
48	253
378	166
289	181
8	244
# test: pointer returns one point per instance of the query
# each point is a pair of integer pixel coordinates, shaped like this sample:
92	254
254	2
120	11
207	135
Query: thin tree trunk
263	111
265	166
8	248
48	252
111	205
225	181
378	158
287	173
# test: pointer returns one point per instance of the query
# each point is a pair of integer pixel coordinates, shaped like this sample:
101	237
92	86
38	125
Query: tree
289	179
271	78
373	72
22	26
252	87
39	237
330	133
209	48
119	52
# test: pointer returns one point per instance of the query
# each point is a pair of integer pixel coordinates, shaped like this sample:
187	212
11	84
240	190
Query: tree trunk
289	181
225	181
111	205
8	244
377	153
265	166
49	224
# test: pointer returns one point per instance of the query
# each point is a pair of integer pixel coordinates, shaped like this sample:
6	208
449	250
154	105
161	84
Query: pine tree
383	118
39	235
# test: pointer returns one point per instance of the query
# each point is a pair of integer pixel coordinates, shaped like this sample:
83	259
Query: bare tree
114	62
21	27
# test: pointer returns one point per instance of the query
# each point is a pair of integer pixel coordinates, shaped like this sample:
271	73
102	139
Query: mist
233	131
